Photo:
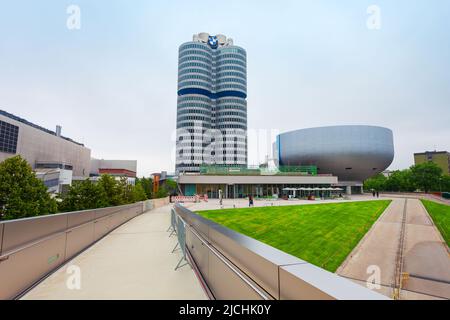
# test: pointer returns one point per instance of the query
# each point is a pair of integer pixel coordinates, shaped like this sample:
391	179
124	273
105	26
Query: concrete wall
157	203
36	145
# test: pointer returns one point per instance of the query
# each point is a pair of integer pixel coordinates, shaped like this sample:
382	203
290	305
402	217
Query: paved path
213	204
425	256
412	195
378	248
132	262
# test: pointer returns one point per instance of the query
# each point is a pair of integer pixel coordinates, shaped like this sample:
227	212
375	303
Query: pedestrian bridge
119	253
126	253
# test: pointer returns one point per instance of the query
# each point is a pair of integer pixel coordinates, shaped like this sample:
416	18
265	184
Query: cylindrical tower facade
231	105
193	105
212	106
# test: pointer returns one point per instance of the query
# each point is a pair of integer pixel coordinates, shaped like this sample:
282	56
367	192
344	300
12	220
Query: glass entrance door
230	191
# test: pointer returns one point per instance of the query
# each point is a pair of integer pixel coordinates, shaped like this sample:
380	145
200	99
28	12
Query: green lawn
440	213
322	234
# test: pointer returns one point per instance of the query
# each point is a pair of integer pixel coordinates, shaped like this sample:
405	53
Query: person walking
373	193
378	194
250	200
220	197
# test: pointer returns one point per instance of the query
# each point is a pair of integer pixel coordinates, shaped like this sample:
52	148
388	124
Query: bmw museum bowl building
353	153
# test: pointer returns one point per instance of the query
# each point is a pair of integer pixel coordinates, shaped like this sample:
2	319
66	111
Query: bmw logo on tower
213	42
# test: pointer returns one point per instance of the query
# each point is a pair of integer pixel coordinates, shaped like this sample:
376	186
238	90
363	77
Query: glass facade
9	135
239	191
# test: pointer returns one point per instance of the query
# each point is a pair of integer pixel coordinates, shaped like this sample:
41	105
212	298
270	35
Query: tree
426	176
22	194
444	183
126	190
139	193
106	192
147	185
161	193
171	186
400	181
377	183
83	196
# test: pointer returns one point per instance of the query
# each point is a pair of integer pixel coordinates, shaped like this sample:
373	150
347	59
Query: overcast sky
112	84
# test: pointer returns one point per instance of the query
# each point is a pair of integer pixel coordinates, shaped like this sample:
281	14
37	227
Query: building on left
56	159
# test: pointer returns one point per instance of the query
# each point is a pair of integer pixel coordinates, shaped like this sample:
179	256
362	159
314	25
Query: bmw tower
211	106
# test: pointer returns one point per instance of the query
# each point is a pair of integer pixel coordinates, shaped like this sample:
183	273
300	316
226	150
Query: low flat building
116	168
239	183
441	158
57	177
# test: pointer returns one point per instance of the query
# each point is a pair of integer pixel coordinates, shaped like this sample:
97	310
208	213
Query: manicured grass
440	213
322	234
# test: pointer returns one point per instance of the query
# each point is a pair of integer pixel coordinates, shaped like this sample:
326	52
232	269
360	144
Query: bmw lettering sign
213	42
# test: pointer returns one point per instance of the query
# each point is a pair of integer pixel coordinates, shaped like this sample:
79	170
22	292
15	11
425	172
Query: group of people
375	193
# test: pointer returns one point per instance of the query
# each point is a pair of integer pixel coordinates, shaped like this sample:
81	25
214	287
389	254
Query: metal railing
234	266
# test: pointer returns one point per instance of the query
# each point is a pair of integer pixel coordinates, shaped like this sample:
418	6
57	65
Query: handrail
67	230
229	265
119	208
53	235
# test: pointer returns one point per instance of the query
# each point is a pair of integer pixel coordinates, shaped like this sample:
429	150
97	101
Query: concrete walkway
132	262
378	248
425	256
410	195
213	204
